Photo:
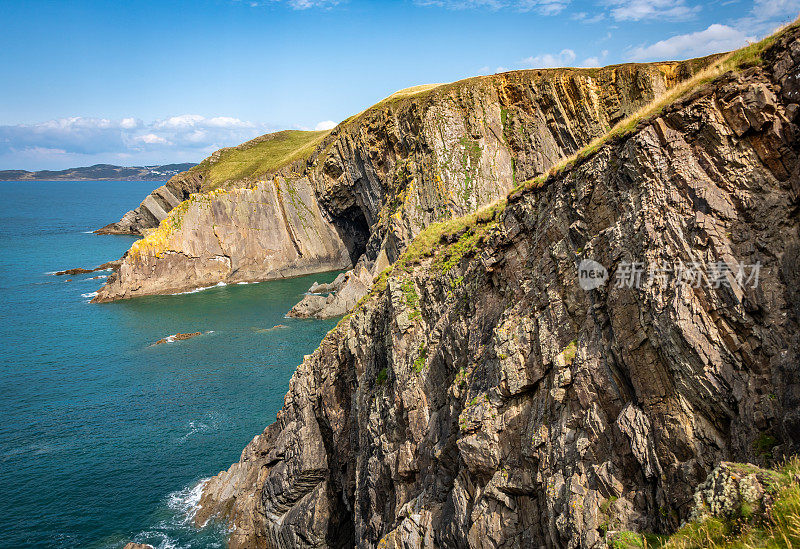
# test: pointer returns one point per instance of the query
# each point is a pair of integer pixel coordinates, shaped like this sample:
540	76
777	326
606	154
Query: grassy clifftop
257	157
270	153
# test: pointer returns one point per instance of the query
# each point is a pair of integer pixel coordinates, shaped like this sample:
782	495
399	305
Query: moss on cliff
156	241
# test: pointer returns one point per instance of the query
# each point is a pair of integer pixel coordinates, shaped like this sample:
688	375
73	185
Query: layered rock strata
155	207
480	397
420	156
270	230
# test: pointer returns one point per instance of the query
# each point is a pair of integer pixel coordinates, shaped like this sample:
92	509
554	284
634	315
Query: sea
105	436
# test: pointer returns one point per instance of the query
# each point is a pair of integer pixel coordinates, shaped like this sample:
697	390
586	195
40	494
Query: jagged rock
479	397
345	292
177	337
110	265
133	545
733	491
155	207
375	181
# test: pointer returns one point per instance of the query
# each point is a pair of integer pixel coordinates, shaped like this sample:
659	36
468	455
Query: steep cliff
480	397
155	207
420	156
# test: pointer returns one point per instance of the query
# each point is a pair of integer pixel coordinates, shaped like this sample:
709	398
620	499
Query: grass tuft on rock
776	527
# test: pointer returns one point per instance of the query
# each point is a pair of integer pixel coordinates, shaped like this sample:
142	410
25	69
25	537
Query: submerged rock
110	265
177	337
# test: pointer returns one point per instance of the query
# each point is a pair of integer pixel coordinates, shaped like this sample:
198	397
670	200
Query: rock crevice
480	397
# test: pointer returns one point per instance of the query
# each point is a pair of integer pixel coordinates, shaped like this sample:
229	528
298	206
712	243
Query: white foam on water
186	502
167	533
92	294
209	423
218	284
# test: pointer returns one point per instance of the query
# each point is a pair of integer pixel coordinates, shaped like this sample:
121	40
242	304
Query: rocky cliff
422	155
481	397
155	207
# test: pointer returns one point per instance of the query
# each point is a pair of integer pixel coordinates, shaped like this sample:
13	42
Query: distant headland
99	172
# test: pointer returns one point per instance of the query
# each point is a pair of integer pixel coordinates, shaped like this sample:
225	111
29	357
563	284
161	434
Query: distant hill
99	172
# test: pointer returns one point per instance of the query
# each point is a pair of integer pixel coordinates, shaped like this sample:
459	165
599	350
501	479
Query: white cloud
295	4
306	4
584	17
182	121
767	15
716	38
72	141
548	60
542	7
150	139
637	10
325	125
228	122
776	9
128	123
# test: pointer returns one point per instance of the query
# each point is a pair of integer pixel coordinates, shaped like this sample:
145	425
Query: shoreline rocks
110	265
177	337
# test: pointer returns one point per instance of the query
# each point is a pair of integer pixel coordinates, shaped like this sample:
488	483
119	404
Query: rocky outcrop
480	397
109	266
270	230
375	181
338	297
155	207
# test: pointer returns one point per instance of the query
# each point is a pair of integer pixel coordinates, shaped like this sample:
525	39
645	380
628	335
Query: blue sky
154	82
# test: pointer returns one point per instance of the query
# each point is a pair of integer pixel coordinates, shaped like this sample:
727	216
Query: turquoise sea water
103	436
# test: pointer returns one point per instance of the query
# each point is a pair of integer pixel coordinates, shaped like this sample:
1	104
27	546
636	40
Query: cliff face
421	155
155	207
480	397
271	229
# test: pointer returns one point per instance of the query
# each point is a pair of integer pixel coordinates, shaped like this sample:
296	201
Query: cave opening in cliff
354	231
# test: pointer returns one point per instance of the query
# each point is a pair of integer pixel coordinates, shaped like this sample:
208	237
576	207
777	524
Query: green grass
764	444
382	376
738	60
263	155
777	529
569	352
426	242
419	362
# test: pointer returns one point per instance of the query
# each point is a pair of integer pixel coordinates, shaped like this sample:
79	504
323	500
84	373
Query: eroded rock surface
480	398
156	206
379	178
266	231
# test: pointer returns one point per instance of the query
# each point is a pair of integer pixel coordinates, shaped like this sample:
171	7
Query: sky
144	82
